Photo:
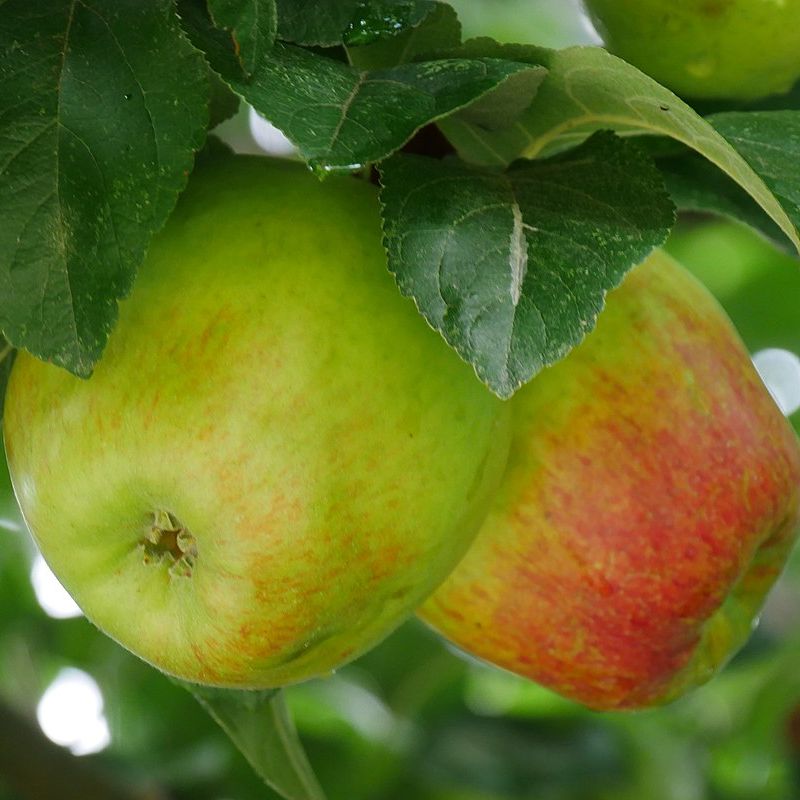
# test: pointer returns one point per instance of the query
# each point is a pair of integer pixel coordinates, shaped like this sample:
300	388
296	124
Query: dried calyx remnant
167	541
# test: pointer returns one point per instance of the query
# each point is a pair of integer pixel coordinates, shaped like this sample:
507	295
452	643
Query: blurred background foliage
412	720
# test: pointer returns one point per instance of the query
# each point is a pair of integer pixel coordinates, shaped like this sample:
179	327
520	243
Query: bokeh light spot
52	596
268	137
70	713
780	371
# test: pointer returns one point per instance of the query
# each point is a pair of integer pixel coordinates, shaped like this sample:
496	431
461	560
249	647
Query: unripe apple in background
276	458
651	498
739	49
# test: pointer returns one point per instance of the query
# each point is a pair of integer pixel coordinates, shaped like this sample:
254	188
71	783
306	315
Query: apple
756	284
739	49
651	497
276	459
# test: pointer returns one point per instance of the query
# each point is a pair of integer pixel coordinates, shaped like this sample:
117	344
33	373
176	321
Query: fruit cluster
277	461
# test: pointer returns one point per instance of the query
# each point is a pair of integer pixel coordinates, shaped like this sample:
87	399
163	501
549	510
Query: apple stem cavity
168	541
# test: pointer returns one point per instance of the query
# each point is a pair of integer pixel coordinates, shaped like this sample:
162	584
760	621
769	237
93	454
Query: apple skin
733	49
328	455
651	498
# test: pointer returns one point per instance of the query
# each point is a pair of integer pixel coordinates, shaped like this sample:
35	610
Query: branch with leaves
566	169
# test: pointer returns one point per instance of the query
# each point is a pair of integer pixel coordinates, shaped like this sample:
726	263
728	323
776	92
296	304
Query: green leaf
260	726
102	105
252	25
586	90
770	143
512	268
376	20
216	44
502	107
330	22
440	30
341	118
223	102
6	361
315	22
697	185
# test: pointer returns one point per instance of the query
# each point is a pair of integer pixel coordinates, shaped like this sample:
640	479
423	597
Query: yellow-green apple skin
739	49
651	497
276	459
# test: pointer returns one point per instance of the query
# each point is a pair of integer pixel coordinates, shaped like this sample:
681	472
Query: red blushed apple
650	500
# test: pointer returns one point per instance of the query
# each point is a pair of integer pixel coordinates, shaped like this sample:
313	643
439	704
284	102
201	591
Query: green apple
651	497
743	49
276	458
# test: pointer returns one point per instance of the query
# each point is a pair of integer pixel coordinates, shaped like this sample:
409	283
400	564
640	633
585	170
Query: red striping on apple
651	498
276	459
